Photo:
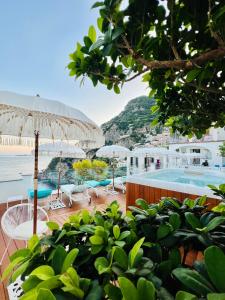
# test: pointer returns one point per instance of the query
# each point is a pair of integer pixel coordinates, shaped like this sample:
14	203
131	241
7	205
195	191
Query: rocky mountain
132	125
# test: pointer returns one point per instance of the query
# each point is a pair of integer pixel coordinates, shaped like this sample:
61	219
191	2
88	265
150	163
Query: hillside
132	125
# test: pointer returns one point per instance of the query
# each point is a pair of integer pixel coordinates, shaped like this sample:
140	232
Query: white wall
212	147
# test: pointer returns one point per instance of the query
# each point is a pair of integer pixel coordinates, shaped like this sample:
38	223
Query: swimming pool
197	178
177	183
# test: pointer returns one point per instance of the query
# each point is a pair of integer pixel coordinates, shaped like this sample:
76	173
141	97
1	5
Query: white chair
71	189
17	223
119	183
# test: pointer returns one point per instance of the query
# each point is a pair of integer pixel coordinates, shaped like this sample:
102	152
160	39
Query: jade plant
108	255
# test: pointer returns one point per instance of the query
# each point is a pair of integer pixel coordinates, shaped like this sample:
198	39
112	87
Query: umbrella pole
113	173
36	134
59	177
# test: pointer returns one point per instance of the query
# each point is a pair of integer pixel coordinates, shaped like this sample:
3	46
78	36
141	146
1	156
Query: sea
16	174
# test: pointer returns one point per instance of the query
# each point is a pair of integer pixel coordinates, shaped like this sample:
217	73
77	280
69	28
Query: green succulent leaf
134	251
181	295
215	265
69	260
193	281
128	289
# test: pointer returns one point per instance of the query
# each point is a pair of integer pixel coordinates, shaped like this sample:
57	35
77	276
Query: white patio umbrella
32	116
113	152
60	149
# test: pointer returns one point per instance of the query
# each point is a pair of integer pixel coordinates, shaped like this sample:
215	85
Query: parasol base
56	204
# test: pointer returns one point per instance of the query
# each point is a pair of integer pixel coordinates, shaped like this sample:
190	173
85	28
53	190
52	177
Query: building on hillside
208	145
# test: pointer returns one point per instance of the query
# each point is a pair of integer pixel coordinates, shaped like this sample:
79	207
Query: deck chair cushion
79	188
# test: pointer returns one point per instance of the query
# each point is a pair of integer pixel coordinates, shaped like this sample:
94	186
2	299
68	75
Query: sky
36	38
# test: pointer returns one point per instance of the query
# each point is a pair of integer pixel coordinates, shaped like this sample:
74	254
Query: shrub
108	255
87	169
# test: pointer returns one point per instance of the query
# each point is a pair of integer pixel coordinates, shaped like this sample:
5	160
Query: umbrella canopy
28	116
113	151
20	115
60	149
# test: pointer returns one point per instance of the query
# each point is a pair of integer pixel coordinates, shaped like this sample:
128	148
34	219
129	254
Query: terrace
60	216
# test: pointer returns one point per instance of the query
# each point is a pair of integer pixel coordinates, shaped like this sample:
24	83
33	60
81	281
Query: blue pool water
187	177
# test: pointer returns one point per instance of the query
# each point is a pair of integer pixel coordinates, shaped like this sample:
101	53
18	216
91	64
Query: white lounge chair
71	189
119	184
17	223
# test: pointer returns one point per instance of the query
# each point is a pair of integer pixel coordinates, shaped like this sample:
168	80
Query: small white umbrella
113	152
60	149
32	116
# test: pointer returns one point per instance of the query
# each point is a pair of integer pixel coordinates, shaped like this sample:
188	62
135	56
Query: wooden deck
59	216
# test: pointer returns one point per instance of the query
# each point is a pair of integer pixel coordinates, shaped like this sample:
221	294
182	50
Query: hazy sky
36	38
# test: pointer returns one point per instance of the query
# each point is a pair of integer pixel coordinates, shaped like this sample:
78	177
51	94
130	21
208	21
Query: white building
208	145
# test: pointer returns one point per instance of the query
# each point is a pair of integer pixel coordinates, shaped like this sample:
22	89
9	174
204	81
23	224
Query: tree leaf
20	270
116	89
113	292
43	272
134	251
142	203
175	220
146	289
181	295
128	289
193	281
116	231
215	296
97	44
102	265
193	220
97	4
58	259
99	23
44	294
214	223
52	225
69	260
11	266
191	75
92	34
121	257
96	240
30	283
20	253
116	33
33	242
215	265
163	231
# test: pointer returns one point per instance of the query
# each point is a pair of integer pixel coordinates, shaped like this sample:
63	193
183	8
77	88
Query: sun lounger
119	184
71	189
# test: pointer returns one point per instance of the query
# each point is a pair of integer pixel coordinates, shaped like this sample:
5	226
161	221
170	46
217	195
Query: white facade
210	151
207	146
